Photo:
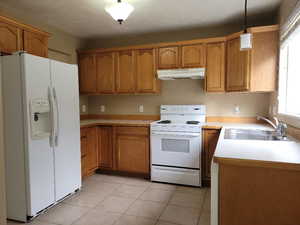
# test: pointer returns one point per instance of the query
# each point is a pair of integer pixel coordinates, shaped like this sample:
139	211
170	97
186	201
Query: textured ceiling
88	19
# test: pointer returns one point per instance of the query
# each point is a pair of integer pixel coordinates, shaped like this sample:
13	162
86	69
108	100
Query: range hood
195	73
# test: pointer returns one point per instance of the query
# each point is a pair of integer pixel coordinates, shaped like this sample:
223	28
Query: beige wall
183	92
2	167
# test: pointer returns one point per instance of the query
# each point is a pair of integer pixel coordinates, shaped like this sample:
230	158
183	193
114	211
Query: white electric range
176	144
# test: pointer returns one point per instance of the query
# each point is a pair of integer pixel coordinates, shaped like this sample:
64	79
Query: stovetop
180	118
190	122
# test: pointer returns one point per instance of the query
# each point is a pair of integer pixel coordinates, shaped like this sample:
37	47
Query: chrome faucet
280	127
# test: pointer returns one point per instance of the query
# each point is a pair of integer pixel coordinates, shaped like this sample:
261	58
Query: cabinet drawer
133	130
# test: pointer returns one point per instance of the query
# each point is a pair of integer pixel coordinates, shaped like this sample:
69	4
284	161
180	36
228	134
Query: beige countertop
279	154
90	123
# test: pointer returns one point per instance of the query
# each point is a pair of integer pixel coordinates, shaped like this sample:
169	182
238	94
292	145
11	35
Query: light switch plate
83	108
102	108
141	108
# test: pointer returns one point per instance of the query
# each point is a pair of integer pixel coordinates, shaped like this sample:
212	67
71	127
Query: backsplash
181	92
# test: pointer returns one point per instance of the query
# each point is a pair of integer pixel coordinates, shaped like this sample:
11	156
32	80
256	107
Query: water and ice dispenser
40	118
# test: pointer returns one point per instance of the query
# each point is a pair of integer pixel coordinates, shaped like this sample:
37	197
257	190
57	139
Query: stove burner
192	122
164	121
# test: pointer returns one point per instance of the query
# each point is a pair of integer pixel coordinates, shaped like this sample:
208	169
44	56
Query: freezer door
39	157
67	161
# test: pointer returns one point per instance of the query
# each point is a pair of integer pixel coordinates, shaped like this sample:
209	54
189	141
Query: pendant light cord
245	18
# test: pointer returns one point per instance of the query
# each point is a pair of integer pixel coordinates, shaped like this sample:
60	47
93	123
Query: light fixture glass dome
120	11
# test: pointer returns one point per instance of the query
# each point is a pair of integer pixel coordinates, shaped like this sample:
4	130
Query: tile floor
114	200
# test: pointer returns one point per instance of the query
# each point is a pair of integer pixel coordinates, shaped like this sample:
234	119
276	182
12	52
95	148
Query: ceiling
88	19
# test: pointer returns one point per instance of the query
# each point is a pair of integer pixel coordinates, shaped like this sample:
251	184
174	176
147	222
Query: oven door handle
176	134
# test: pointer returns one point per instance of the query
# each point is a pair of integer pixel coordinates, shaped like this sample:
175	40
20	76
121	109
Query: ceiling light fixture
120	11
246	38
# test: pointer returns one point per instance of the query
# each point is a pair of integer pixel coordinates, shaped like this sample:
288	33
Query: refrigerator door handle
56	139
50	97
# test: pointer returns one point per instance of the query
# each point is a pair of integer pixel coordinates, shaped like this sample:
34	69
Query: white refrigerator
42	133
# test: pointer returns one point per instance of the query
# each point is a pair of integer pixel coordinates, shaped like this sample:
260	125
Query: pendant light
245	38
120	11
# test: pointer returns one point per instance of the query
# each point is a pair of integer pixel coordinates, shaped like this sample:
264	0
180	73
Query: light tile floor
114	200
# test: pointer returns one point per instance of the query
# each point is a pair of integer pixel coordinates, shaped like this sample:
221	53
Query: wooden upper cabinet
10	38
238	67
126	80
105	68
215	67
146	71
87	74
35	43
193	56
105	147
168	58
264	61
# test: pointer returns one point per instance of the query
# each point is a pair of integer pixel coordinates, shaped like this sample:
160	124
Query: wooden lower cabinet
105	148
210	140
89	151
115	149
252	194
133	149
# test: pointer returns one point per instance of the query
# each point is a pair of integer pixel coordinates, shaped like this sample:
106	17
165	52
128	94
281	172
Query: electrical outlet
83	108
237	109
141	108
102	108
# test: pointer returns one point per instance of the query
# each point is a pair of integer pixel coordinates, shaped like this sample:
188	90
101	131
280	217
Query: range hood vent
195	73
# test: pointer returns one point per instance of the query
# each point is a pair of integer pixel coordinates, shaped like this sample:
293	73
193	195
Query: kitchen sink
244	134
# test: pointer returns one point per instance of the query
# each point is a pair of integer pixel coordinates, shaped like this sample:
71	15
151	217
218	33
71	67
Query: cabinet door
215	68
133	151
92	150
210	138
35	43
238	67
193	56
126	80
105	147
146	71
87	74
83	142
105	67
10	38
168	58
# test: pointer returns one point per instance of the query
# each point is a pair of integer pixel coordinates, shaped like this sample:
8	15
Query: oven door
177	149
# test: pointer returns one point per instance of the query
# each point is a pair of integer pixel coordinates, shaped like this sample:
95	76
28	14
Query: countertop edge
257	163
114	125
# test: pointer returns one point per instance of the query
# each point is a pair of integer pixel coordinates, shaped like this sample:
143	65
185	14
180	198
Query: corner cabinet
133	149
254	70
210	140
215	67
16	36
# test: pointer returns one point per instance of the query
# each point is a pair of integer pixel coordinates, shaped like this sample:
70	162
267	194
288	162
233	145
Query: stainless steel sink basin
244	134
